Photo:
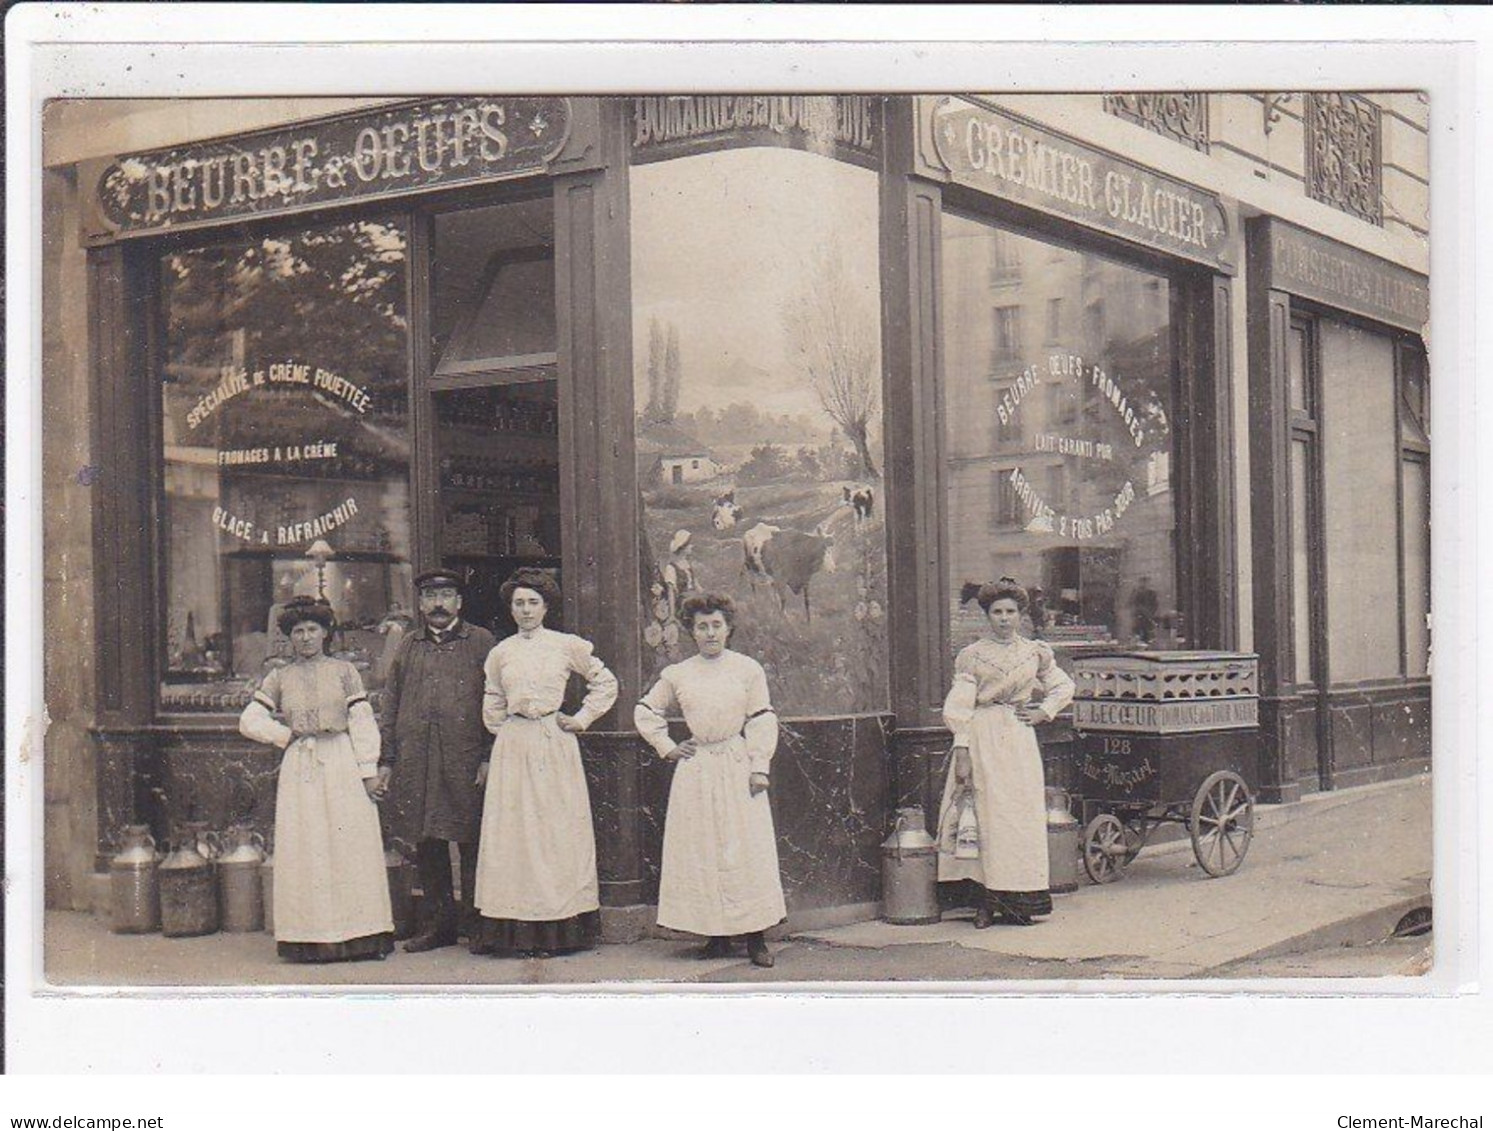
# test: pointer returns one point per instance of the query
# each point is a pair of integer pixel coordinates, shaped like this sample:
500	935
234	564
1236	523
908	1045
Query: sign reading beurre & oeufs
384	152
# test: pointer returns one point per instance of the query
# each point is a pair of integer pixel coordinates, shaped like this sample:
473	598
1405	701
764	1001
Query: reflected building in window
285	452
1063	445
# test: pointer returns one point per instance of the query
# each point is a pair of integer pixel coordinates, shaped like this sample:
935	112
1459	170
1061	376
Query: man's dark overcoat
433	735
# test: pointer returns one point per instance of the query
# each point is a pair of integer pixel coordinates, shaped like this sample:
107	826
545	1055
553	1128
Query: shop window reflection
285	453
1008	512
493	287
1415	397
1008	345
1005	260
1054	320
1083	511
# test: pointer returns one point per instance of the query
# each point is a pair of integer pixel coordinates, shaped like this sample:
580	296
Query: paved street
1322	888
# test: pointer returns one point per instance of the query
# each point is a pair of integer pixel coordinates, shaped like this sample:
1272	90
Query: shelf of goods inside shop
500	477
520	417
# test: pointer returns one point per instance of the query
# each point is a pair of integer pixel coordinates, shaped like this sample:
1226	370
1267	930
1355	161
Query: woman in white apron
536	889
720	859
331	889
990	711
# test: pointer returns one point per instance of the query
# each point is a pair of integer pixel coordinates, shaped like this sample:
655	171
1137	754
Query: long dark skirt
550	936
1019	904
1014	904
351	950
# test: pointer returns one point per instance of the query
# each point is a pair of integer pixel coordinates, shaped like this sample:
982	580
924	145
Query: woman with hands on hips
536	889
331	889
990	711
720	855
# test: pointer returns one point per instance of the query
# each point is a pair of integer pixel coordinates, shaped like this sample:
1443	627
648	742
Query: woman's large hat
299	609
679	541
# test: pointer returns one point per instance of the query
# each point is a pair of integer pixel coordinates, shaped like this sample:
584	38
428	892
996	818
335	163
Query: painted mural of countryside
780	507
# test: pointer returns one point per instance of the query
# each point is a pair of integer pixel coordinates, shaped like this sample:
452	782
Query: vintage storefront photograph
736	539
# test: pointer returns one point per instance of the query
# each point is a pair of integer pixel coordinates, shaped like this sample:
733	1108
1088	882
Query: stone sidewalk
1335	869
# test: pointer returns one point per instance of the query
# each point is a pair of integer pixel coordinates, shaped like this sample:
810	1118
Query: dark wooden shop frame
1299	719
918	518
588	184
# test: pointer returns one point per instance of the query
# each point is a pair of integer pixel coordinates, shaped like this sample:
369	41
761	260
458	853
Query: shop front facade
843	357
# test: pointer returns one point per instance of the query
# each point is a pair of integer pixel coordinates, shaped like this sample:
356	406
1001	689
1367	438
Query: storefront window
756	345
1358	505
1301	577
1417	535
1415	482
286	453
1301	388
1059	440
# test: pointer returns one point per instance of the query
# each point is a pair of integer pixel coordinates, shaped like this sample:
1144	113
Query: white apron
536	859
720	857
1010	804
330	881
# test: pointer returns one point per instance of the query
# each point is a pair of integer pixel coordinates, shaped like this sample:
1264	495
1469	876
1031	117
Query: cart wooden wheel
1137	830
1222	824
1106	849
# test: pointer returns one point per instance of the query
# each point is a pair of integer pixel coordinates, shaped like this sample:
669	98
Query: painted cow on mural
751	551
787	560
724	513
861	501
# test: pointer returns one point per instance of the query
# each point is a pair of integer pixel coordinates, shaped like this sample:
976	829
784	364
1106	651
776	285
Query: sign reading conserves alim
1004	155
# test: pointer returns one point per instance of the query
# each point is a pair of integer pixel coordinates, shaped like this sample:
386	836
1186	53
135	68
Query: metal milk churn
267	886
401	889
135	897
239	883
1063	834
909	871
189	889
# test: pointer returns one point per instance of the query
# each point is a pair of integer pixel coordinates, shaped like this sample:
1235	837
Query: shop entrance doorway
492	400
499	488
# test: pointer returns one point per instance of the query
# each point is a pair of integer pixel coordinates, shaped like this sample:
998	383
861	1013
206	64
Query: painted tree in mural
652	411
664	374
831	329
673	376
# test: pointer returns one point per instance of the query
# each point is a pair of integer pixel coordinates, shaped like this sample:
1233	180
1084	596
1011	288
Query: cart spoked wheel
1222	823
1106	849
1137	829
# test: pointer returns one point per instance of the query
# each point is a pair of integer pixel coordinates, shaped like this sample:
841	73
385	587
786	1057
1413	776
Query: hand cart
1166	737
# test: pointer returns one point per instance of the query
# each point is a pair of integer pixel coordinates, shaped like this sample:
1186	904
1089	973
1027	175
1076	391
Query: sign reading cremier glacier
372	153
1006	156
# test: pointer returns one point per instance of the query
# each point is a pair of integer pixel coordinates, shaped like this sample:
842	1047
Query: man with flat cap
433	743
